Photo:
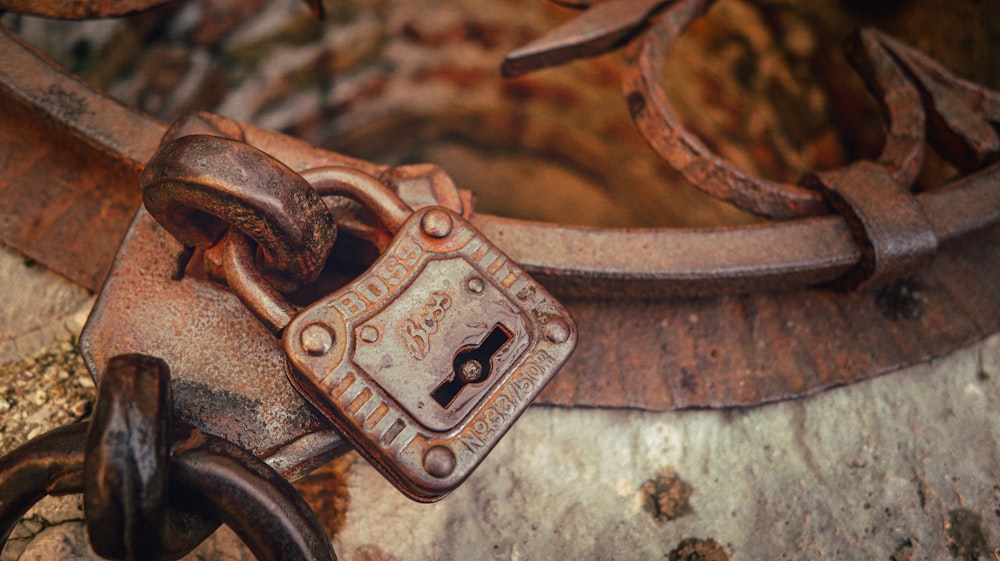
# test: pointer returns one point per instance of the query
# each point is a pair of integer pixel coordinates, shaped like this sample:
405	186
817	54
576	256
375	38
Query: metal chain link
154	488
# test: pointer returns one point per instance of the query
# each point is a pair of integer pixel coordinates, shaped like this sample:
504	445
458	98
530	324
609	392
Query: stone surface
36	306
903	465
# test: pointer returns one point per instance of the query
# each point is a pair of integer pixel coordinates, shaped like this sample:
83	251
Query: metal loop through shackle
196	186
253	289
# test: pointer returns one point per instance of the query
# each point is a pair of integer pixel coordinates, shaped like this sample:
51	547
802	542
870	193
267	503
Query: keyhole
472	365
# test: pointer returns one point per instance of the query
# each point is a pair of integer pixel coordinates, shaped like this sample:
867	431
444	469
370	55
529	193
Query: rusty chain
196	187
155	488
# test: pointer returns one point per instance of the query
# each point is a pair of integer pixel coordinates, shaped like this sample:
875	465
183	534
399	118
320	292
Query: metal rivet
471	371
556	330
369	334
316	339
436	223
439	461
476	285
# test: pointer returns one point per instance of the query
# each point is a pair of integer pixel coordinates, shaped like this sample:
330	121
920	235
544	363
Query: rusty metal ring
134	490
125	470
665	133
662	129
813	250
571	260
51	464
197	185
250	497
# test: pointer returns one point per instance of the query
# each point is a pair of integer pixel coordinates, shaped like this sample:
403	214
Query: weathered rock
854	473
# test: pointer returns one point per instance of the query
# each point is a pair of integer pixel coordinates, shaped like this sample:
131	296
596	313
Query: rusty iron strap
77	9
50	111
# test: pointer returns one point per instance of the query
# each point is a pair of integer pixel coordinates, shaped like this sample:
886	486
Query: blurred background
763	83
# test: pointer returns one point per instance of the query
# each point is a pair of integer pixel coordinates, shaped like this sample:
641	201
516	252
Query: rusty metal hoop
160	507
663	131
198	185
572	260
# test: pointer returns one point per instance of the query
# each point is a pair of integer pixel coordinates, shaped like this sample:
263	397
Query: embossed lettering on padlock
427	359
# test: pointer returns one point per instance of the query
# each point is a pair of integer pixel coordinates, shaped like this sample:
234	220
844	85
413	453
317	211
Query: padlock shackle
250	286
246	280
388	208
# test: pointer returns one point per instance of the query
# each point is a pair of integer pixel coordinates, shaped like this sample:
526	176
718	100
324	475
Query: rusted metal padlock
427	359
424	361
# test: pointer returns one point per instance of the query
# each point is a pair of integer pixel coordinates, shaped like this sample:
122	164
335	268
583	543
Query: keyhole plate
421	331
394	336
472	366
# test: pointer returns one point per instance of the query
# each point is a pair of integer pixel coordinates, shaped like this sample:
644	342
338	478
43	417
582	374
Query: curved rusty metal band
662	129
610	263
76	9
570	260
140	502
250	497
51	464
197	185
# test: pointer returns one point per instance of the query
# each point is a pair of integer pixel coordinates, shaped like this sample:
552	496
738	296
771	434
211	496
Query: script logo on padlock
427	359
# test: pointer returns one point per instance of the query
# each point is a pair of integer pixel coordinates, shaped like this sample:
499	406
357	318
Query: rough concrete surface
901	467
36	306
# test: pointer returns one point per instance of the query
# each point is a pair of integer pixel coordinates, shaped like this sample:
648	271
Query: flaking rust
667	496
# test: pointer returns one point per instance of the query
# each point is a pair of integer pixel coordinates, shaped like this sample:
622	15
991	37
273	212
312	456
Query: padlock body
429	357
